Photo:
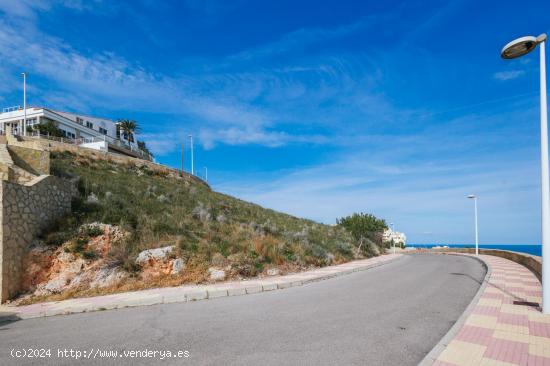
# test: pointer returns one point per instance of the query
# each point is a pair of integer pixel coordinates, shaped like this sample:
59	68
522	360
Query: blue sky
318	109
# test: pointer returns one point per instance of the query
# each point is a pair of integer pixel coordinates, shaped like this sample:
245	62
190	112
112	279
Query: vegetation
159	208
365	228
47	128
143	147
128	127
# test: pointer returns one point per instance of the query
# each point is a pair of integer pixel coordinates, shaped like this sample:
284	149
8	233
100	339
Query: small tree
364	228
47	128
143	147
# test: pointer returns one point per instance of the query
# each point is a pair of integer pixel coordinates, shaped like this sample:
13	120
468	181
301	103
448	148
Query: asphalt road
389	315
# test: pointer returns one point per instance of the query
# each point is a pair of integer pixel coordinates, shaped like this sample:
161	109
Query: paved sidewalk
189	293
497	332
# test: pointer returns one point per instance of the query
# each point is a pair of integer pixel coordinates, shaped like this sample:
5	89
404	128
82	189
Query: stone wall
32	160
26	210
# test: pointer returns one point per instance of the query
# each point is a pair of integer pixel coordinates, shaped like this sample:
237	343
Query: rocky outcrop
54	270
150	256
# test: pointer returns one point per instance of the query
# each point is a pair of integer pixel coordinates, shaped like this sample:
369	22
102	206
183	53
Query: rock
216	274
201	212
107	276
177	266
56	285
92	198
273	272
163	199
154	254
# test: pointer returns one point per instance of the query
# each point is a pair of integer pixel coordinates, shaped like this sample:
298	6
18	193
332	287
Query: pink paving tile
518	289
486	310
475	335
506	351
513	319
539	329
492	295
537	361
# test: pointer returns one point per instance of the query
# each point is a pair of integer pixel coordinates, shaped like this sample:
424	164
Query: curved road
389	315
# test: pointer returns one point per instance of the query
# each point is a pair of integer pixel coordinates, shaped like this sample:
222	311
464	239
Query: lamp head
521	46
471	196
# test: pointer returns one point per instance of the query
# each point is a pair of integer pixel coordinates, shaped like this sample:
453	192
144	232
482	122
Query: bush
90	254
93	230
58	238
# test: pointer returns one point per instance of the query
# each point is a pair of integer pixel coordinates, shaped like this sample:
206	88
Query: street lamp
392	239
514	49
192	158
474	197
24	129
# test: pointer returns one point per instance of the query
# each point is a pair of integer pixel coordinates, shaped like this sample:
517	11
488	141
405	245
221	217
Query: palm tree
128	127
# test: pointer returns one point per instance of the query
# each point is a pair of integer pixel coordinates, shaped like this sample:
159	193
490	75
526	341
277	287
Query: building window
68	134
89	124
79	120
102	130
31	121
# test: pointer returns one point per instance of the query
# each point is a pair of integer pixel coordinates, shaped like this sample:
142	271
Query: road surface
389	315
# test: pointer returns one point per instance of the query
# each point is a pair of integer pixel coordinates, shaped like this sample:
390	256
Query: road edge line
432	356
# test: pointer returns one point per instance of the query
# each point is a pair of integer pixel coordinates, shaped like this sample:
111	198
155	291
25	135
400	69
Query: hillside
123	211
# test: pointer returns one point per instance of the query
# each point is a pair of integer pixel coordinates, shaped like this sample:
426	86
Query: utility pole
182	158
24	129
206	174
192	157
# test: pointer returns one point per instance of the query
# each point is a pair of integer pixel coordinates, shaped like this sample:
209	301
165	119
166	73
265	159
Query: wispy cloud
237	108
508	75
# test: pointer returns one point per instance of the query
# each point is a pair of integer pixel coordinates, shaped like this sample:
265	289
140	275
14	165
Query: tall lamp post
24	129
517	48
392	240
192	157
474	197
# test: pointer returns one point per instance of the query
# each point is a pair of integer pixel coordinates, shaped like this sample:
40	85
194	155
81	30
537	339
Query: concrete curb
432	356
136	299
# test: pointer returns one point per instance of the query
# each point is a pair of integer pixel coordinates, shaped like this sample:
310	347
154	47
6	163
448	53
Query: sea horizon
532	249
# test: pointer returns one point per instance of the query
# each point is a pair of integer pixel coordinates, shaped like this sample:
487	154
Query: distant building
397	237
92	132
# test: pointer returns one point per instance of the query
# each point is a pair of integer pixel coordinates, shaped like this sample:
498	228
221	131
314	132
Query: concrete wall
32	160
26	210
533	263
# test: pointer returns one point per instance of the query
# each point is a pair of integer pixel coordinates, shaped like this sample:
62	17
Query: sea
532	249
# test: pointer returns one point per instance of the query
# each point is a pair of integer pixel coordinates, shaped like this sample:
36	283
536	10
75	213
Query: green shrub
92	231
90	254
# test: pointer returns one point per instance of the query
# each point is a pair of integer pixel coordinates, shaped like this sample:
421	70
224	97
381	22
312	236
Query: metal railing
86	140
11	109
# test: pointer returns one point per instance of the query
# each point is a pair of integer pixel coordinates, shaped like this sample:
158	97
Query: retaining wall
26	210
32	160
533	263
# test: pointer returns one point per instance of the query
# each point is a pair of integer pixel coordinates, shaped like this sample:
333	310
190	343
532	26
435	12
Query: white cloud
508	75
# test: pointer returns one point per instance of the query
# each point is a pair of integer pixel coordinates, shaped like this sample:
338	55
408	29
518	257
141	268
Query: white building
397	237
87	131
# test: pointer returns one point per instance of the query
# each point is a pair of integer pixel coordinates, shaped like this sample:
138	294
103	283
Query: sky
315	108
